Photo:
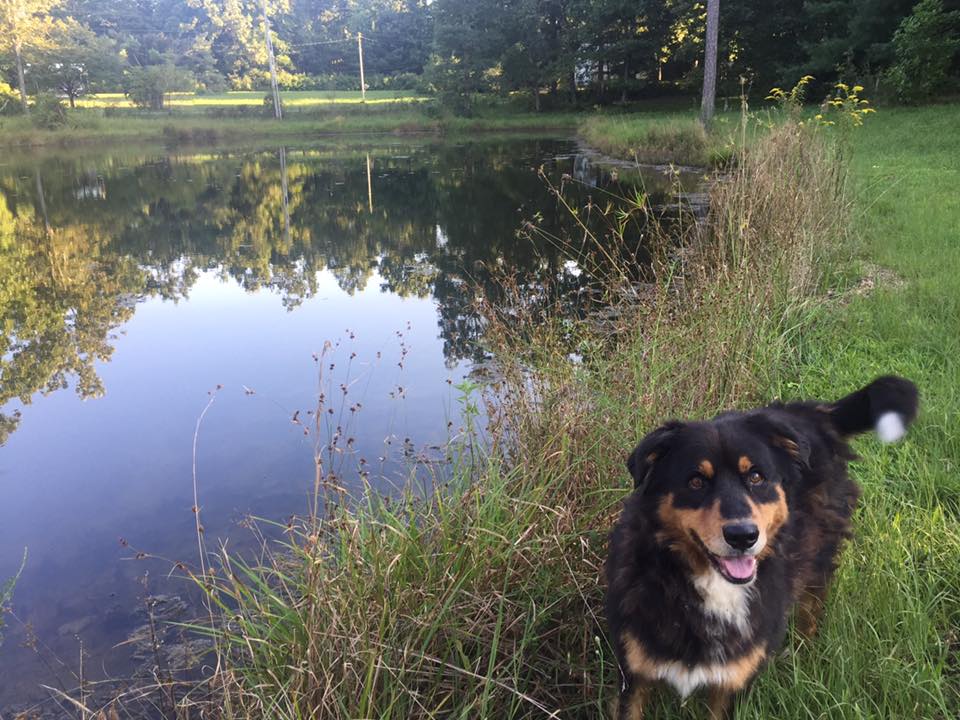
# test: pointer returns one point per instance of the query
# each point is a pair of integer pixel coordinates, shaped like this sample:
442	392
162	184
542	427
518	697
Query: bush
211	83
147	86
49	112
9	100
267	108
925	44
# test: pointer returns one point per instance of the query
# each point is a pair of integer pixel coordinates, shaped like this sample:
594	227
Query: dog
732	524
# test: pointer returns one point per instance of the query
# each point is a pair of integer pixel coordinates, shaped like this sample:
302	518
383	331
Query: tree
24	24
76	60
925	44
147	86
710	63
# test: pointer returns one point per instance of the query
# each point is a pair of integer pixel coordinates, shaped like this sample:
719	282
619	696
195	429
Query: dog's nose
741	536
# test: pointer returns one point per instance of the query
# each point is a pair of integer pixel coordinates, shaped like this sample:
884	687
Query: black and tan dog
733	523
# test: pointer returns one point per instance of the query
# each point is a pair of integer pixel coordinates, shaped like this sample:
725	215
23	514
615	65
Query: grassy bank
485	601
662	138
252	98
96	126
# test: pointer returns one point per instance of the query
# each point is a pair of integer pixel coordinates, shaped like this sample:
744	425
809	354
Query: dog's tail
888	405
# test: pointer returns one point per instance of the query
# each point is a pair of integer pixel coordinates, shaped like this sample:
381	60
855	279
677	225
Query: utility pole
363	84
277	112
710	63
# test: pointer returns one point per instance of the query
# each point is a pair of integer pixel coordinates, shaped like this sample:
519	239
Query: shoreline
92	128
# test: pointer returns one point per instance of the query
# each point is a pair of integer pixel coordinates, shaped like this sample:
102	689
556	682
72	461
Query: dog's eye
754	477
695	482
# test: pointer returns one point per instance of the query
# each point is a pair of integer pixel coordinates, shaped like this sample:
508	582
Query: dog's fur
694	600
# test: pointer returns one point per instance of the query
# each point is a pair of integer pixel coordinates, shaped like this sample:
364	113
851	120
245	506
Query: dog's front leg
633	699
720	703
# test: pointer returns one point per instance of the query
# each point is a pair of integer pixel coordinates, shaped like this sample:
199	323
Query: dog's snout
741	536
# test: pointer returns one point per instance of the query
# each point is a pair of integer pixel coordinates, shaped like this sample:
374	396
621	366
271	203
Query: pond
140	287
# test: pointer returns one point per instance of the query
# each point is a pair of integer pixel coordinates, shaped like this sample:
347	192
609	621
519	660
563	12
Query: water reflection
85	242
145	280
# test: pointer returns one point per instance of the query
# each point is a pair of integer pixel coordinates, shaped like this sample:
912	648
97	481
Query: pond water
138	286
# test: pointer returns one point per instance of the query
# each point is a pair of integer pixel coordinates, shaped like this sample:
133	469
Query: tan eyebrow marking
706	469
744	465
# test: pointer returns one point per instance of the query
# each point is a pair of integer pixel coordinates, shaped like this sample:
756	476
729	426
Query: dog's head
719	489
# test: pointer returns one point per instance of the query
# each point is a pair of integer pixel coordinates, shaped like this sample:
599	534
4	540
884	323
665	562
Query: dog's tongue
739	568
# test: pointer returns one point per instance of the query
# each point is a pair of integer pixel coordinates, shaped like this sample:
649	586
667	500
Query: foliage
9	100
24	26
148	86
846	105
793	100
549	51
76	61
268	108
925	45
48	112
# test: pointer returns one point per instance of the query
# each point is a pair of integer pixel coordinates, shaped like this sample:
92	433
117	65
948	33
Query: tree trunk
536	98
573	87
23	83
626	74
710	63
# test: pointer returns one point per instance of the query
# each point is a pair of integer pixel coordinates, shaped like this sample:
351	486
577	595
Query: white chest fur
686	679
724	600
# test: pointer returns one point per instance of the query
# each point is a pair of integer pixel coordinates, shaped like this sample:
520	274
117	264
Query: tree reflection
60	297
82	247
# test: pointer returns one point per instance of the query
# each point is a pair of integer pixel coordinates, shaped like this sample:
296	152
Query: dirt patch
874	276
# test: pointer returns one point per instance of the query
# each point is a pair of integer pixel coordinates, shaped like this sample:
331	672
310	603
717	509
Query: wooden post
363	84
710	63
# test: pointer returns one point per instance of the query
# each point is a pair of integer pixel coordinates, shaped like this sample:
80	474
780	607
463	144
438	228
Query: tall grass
485	599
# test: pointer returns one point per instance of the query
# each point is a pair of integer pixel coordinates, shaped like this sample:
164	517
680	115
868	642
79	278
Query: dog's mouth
739	569
736	569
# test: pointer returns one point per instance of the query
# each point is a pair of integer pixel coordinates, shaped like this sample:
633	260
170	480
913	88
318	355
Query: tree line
552	50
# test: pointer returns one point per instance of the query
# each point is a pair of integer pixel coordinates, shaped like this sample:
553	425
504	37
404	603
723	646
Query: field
290	98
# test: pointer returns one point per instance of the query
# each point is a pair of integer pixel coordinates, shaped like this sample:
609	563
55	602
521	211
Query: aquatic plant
6	592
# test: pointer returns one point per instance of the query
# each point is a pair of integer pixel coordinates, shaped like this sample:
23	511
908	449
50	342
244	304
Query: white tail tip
890	427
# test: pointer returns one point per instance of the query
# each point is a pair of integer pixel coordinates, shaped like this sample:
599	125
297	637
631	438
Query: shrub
49	112
211	83
924	44
9	100
267	107
148	85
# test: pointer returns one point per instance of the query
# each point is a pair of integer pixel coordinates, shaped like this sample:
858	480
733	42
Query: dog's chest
724	602
685	679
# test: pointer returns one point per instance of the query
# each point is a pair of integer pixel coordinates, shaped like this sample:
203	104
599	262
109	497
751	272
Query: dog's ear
786	434
653	447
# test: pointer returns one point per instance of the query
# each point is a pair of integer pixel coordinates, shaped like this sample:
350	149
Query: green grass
892	635
88	125
660	138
